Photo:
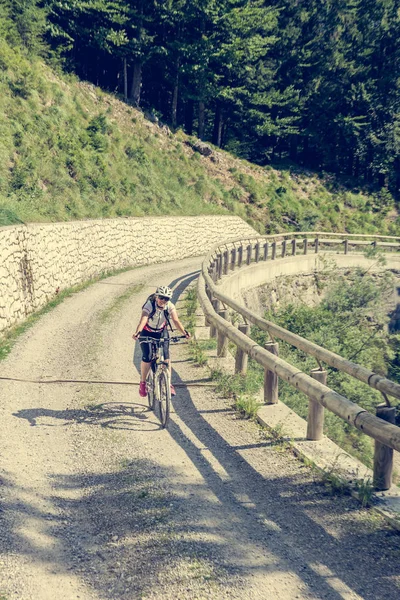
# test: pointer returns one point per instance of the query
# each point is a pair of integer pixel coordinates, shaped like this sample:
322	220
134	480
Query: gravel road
98	503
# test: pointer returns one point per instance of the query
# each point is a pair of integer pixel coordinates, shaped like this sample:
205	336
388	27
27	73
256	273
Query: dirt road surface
98	503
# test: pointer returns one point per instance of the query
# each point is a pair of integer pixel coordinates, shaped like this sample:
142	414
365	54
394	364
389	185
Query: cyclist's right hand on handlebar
136	335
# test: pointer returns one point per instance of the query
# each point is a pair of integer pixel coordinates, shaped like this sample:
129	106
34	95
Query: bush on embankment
351	321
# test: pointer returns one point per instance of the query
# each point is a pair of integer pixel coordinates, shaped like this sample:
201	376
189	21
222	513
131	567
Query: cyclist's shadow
111	415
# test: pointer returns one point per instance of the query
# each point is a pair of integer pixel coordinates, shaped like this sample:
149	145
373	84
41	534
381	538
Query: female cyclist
156	314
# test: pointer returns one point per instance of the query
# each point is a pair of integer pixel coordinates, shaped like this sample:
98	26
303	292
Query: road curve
98	503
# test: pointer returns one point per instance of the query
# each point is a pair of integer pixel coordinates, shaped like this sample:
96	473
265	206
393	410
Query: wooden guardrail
240	253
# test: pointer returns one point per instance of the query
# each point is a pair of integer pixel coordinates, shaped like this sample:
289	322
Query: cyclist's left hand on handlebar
187	334
136	336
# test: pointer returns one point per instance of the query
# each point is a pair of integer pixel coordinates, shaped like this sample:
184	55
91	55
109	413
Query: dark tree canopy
314	82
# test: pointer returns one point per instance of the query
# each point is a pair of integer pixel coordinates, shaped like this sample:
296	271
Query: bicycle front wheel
164	397
150	389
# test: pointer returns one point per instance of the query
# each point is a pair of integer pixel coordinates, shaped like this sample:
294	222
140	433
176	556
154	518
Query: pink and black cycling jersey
158	321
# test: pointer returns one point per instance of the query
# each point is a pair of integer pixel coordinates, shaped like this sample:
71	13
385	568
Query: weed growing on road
338	485
107	313
202	569
190	307
197	348
365	491
240	387
247	406
197	353
231	386
191	302
335	483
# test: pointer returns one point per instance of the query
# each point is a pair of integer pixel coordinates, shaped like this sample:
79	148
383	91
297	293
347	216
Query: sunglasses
163	298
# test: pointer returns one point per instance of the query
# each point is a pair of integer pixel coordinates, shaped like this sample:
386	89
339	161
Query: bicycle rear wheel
164	397
150	389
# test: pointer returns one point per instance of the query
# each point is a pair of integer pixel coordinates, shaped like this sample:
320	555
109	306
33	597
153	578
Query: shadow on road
113	415
291	516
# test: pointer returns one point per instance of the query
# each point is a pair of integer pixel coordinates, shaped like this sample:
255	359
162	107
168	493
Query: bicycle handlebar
175	338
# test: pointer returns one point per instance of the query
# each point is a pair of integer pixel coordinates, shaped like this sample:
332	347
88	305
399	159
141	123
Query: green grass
247	406
231	386
197	350
189	313
70	151
108	312
241	388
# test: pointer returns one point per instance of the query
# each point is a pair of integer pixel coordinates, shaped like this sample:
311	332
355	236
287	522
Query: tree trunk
174	104
350	164
357	167
293	148
218	123
125	80
305	150
97	70
201	126
136	83
382	180
397	177
224	133
189	115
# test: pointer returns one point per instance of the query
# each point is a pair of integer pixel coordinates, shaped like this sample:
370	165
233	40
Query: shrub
136	153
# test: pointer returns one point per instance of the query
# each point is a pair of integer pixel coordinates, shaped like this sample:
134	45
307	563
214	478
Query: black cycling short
156	335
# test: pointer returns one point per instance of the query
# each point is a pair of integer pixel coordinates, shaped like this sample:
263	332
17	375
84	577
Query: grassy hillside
70	151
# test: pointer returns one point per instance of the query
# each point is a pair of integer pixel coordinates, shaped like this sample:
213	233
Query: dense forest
314	82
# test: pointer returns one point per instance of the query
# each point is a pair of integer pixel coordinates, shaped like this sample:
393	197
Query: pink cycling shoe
143	389
173	392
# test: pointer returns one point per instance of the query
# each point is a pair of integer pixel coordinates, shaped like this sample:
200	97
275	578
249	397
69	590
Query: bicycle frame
158	379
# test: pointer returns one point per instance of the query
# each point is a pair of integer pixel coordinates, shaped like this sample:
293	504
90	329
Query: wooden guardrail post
209	296
233	259
257	249
226	262
294	246
213	330
315	421
222	340
248	259
266	251
240	258
271	378
346	246
219	265
383	456
241	357
214	271
273	254
305	245
283	248
316	245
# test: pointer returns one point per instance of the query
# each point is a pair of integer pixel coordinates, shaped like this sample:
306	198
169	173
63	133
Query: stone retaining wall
36	260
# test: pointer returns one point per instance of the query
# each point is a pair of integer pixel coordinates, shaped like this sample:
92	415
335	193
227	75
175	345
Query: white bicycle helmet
164	290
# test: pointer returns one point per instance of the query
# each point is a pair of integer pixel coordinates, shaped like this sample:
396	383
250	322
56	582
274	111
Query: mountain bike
158	380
